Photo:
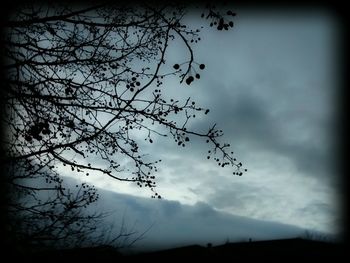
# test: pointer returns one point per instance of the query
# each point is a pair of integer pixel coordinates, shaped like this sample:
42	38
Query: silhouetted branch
80	84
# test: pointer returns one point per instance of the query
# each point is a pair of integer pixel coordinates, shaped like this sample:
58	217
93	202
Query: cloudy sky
271	85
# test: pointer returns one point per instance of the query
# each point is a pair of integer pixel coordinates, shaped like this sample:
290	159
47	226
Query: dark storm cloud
265	118
269	85
252	122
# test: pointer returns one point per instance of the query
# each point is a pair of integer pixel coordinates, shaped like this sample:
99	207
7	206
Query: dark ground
281	250
264	251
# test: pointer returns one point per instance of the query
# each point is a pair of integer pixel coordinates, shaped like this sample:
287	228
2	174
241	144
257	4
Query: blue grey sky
271	85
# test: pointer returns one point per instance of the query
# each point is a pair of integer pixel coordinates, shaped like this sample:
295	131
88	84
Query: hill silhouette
280	250
283	249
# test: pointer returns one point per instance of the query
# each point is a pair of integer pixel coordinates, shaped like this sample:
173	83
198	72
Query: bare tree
86	82
46	213
318	236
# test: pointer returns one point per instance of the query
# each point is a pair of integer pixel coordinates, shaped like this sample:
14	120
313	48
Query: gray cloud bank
172	224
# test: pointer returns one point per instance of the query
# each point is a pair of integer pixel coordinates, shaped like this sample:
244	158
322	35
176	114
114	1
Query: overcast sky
271	85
